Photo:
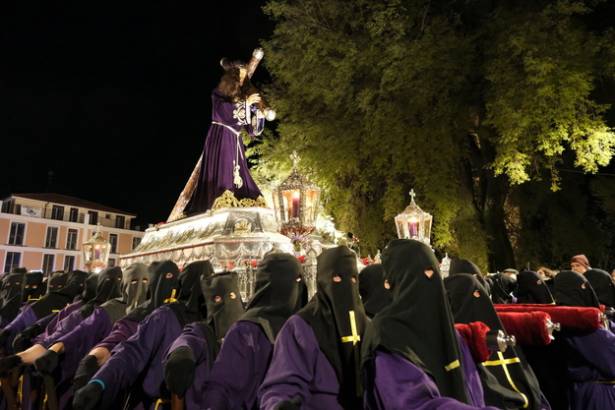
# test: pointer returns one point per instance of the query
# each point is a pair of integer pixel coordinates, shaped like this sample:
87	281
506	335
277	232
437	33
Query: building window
71	240
57	212
6	207
12	261
120	221
48	261
111	262
52	237
93	217
17	233
136	241
113	242
69	263
73	215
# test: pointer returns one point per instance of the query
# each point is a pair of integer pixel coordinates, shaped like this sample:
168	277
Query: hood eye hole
232	295
337	279
387	285
217	299
429	273
476	294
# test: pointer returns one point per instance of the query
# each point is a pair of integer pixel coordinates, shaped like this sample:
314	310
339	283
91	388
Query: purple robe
239	368
121	330
223	146
25	318
399	384
593	379
192	337
50	328
141	355
299	369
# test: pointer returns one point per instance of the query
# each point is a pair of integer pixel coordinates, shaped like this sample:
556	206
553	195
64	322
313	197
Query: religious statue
221	175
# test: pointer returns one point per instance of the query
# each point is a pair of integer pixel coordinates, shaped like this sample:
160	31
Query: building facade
45	231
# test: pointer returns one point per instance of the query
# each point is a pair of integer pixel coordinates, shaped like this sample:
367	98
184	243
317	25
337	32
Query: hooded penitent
418	323
573	289
532	289
32	287
163	285
508	381
56	281
338	319
108	287
374	295
191	306
58	299
603	285
224	306
277	295
10	296
133	289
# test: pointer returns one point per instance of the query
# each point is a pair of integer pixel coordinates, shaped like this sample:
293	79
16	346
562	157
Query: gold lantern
296	202
413	222
96	252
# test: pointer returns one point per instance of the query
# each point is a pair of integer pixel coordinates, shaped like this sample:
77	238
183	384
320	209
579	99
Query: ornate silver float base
231	238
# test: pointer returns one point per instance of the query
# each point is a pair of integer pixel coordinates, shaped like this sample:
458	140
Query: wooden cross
354	337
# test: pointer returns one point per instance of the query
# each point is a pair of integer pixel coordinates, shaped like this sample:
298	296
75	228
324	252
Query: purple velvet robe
299	369
25	318
222	147
130	359
399	384
50	328
192	337
593	382
239	368
122	330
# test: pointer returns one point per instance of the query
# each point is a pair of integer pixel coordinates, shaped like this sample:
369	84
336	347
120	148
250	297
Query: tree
463	101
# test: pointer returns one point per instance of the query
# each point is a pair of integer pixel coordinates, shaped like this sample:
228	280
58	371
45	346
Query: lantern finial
412	194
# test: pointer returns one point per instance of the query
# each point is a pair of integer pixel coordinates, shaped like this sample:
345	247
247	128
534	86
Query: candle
413	228
295	204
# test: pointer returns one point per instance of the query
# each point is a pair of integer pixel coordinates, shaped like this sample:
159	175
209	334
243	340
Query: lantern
296	202
96	252
413	222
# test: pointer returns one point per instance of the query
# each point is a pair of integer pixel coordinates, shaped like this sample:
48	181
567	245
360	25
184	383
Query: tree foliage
460	100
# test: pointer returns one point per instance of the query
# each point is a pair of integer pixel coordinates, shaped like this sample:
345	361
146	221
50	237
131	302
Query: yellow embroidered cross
354	337
171	299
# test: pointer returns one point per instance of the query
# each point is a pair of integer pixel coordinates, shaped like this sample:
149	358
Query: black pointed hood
374	295
463	266
163	288
510	386
223	301
278	292
573	289
603	285
58	299
10	295
338	319
33	287
418	323
532	289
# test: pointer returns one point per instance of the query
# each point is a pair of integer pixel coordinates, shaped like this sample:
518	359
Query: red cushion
570	317
530	328
475	335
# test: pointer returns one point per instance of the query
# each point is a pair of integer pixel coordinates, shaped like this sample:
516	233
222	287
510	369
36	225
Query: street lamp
96	252
413	222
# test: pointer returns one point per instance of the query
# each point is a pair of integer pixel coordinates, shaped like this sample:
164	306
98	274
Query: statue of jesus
222	167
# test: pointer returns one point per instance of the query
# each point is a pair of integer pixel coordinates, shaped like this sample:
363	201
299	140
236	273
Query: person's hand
88	397
24	339
88	366
292	404
47	363
179	370
253	99
9	363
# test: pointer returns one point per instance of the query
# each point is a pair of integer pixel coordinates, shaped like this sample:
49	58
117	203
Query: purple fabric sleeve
193	338
399	384
64	326
24	319
121	330
597	348
300	370
239	368
141	355
474	386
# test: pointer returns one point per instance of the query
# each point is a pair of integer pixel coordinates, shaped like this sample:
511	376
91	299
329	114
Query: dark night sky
113	97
